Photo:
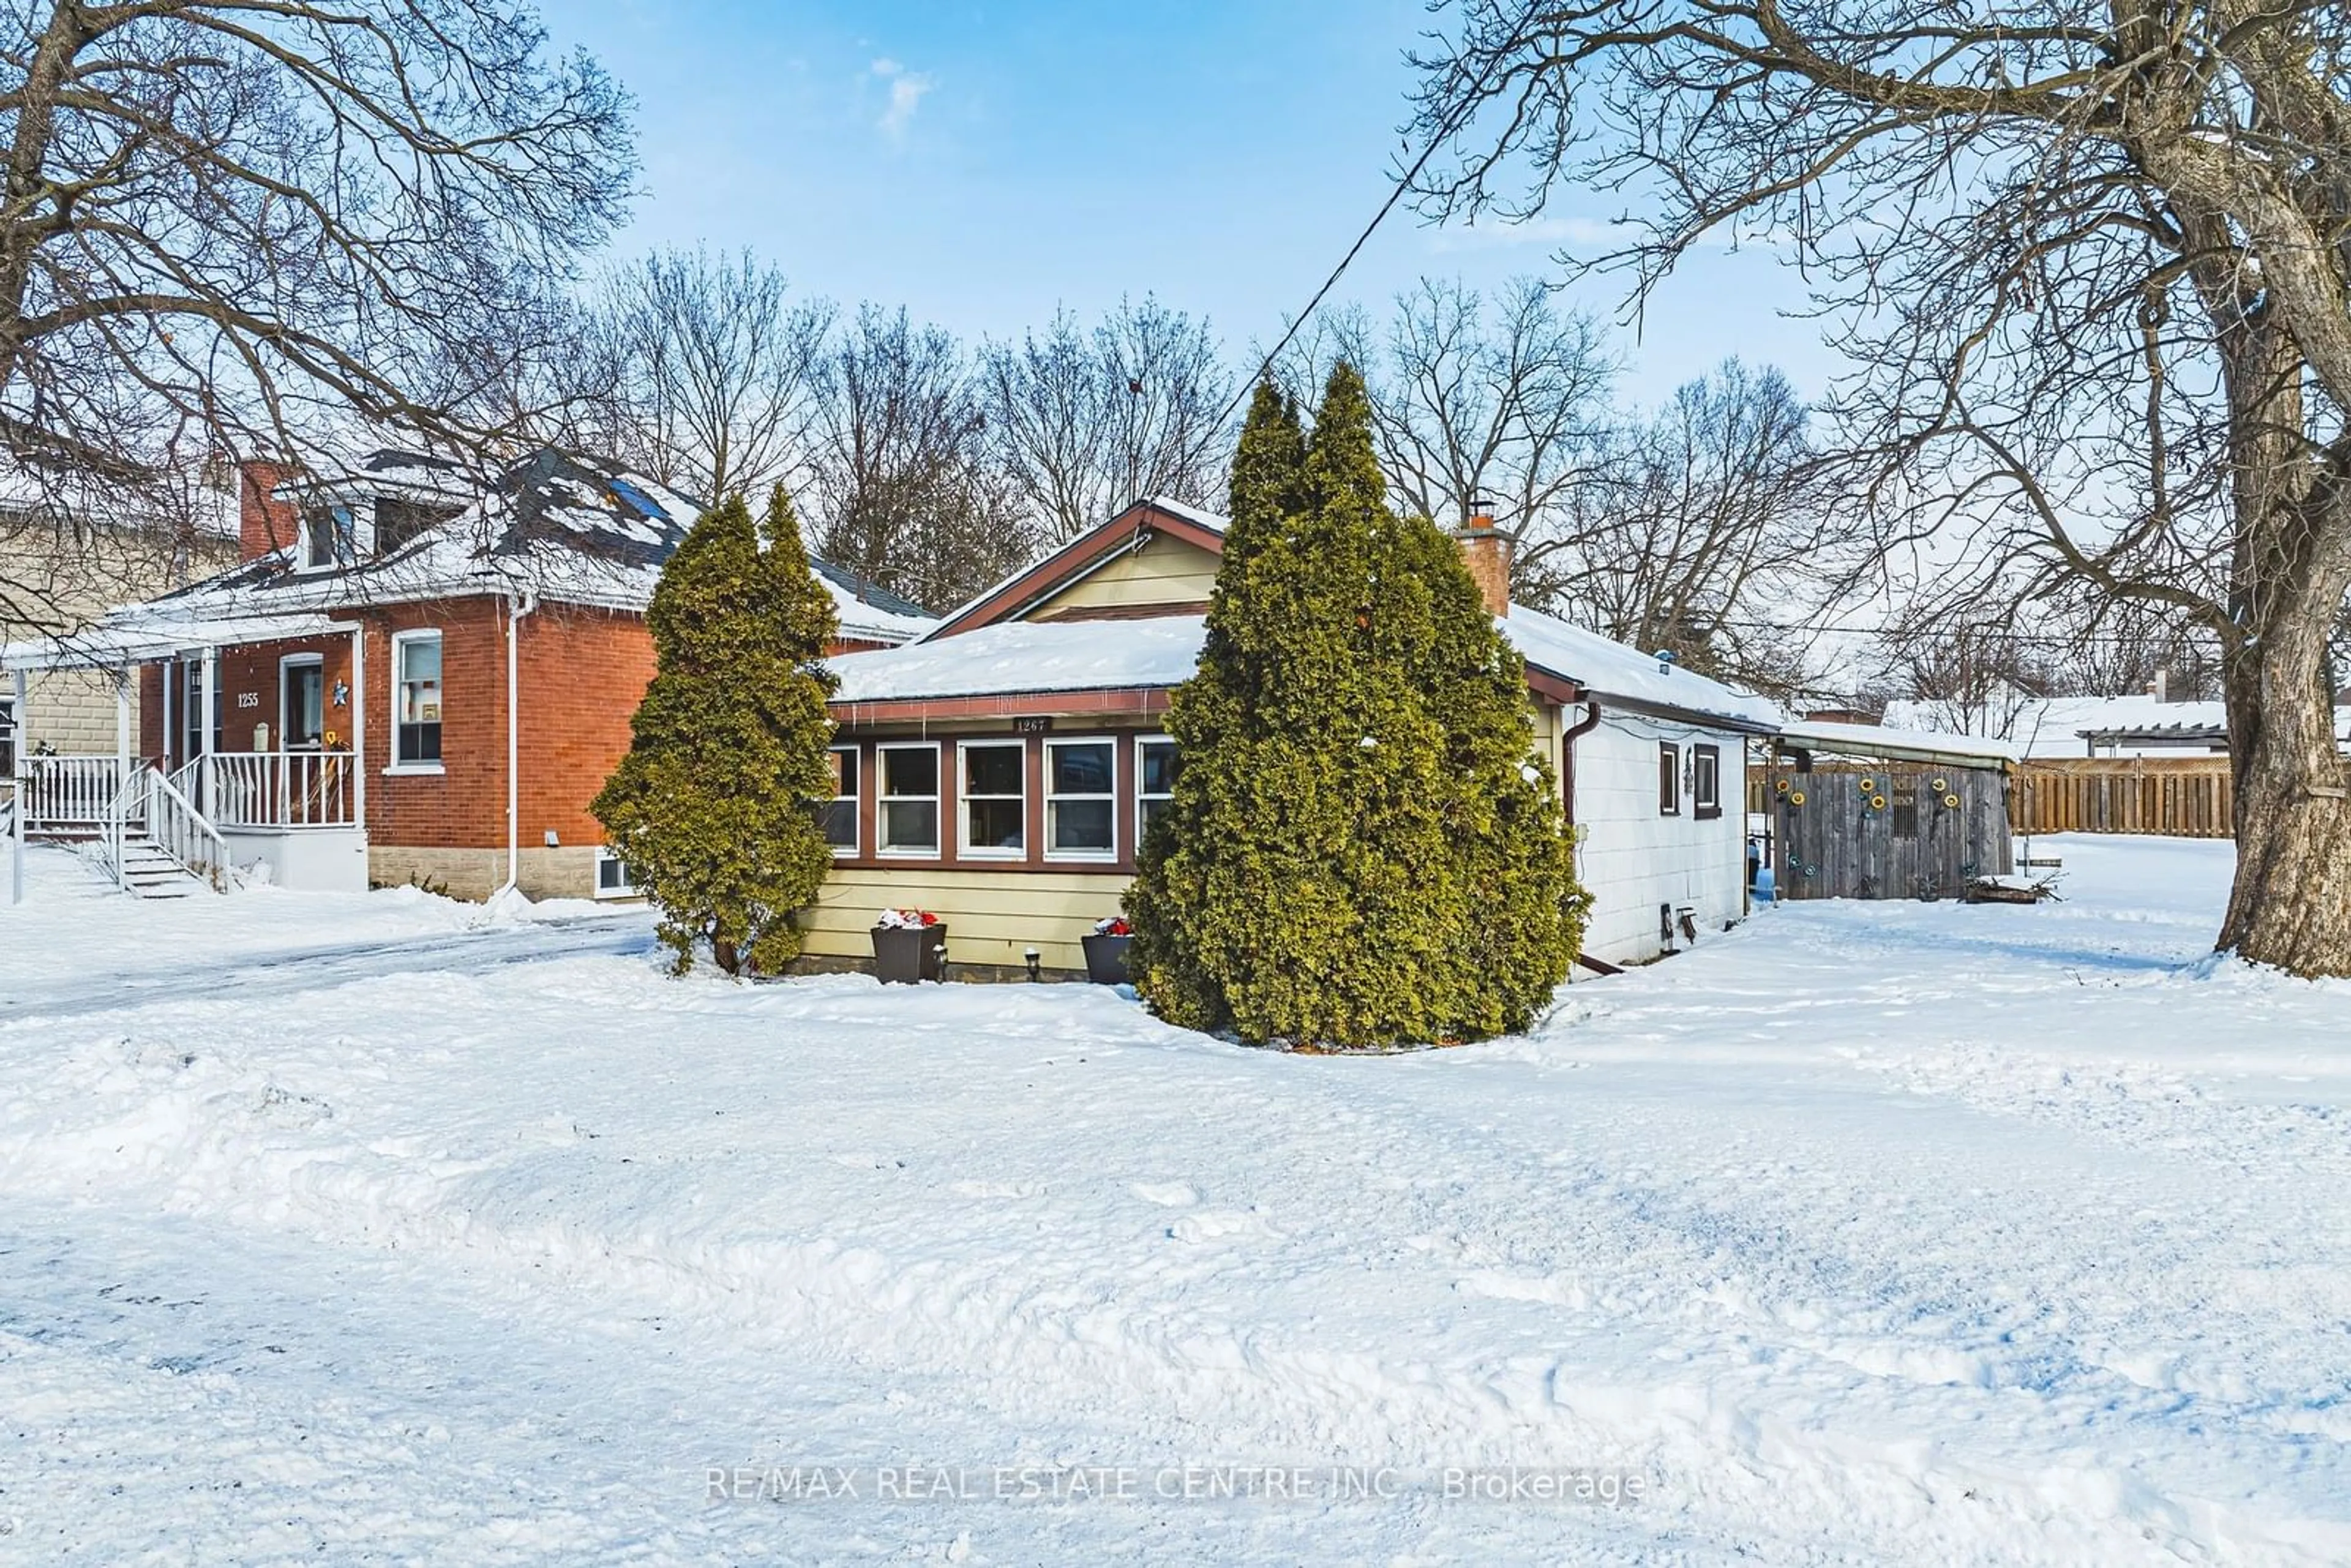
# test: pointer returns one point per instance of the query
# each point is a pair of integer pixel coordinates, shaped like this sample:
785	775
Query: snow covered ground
363	1228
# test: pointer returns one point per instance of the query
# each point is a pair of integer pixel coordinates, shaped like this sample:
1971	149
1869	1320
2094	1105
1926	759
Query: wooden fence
2187	797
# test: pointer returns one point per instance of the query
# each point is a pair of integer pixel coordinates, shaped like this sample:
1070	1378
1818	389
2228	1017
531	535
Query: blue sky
984	164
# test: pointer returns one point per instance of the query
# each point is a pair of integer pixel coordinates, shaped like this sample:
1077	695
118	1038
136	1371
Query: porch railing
272	788
71	794
76	796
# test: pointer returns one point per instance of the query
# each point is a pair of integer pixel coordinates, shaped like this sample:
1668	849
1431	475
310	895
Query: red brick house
410	676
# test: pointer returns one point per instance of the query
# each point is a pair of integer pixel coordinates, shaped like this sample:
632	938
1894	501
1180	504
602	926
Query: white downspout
22	781
516	610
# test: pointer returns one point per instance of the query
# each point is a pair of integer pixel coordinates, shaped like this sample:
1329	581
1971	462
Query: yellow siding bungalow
999	770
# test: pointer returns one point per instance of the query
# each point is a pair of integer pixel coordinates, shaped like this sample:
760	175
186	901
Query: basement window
612	876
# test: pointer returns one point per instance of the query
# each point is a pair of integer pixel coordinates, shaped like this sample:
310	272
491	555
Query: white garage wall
1631	858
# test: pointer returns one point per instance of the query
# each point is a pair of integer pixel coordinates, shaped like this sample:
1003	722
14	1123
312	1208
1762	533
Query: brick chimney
263	523
1487	550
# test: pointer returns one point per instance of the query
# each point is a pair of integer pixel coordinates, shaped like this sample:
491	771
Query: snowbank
1883	1232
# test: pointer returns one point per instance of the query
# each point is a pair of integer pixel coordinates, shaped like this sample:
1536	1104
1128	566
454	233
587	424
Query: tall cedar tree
1360	852
714	808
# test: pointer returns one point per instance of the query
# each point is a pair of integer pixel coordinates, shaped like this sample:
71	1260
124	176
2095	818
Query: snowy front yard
360	1229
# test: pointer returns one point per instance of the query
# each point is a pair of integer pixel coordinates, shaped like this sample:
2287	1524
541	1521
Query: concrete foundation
476	873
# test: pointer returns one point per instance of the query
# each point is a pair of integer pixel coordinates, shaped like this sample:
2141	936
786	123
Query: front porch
188	815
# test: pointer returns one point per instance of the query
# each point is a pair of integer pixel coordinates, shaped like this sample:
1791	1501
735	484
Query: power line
1454	121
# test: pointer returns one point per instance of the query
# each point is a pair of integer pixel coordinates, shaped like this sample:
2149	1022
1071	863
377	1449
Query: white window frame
1090	857
883	849
362	514
287	665
628	889
400	640
1669	807
856	800
965	849
1141	821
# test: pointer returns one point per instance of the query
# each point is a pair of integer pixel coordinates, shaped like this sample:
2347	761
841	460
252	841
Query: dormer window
398	520
331	535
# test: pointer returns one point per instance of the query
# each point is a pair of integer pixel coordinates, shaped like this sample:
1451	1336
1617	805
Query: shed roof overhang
115	647
1897	745
2183	736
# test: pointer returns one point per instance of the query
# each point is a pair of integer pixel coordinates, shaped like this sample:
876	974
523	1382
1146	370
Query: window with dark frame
840	817
1706	781
995	798
1669	781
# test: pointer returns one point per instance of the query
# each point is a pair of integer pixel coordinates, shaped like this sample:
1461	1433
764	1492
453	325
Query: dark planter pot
909	955
1106	959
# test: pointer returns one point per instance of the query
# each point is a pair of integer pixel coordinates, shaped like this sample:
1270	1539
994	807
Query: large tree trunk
2290	904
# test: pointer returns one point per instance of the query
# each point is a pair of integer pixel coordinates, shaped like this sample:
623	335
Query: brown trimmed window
840	817
1669	781
995	798
908	810
1155	780
1706	781
1081	799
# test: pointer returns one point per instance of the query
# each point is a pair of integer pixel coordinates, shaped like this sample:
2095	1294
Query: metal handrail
117	818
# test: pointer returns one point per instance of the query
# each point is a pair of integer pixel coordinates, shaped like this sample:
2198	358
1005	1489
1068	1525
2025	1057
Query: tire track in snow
325	967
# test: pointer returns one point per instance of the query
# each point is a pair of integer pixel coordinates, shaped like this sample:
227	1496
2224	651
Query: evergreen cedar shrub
1360	852
714	807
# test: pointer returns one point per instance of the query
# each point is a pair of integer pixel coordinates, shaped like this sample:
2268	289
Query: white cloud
906	91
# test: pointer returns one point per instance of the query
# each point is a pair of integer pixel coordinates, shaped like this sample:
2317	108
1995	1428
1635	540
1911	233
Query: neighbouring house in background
999	770
411	677
62	565
2141	723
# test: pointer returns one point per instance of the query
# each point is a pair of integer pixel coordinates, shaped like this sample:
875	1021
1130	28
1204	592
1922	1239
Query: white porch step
149	871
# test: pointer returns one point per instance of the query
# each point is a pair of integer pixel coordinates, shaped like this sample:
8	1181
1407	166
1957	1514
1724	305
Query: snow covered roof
390	470
1029	656
564	529
1610	669
198	497
996	658
2131	725
1160	651
1905	744
1190	514
113	643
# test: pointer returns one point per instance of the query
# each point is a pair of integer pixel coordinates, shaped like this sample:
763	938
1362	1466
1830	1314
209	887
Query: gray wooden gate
1852	830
